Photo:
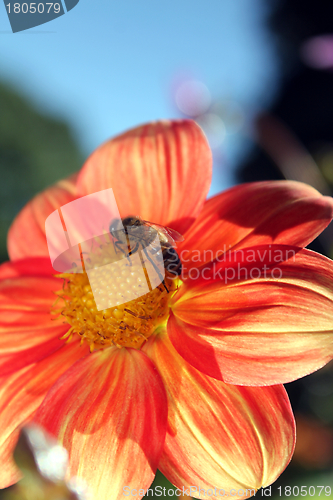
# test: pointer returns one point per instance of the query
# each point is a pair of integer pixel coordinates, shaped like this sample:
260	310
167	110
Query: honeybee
133	233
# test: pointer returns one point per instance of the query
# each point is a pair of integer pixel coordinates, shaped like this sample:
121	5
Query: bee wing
139	233
171	234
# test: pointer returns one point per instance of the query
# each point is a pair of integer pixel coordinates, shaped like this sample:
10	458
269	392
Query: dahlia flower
195	387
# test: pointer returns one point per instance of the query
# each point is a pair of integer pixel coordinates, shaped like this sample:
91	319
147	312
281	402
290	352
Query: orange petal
26	236
21	394
160	171
221	436
27	332
258	331
110	412
257	213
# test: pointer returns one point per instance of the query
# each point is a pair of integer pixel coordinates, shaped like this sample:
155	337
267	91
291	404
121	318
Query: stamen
129	323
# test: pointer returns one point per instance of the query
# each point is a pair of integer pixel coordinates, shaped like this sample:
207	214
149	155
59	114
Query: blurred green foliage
315	486
161	487
36	150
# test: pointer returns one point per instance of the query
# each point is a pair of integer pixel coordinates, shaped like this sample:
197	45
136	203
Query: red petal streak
258	331
221	436
27	332
286	212
160	171
33	266
109	411
26	237
21	394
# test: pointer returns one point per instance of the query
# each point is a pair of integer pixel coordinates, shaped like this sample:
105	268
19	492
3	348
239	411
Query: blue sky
106	66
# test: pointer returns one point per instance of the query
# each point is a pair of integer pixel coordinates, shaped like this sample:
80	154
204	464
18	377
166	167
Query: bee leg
114	247
135	249
117	245
128	249
163	283
156	268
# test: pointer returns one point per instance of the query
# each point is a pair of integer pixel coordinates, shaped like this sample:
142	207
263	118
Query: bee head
119	226
115	226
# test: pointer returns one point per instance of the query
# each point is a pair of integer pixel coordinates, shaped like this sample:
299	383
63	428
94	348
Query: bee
133	233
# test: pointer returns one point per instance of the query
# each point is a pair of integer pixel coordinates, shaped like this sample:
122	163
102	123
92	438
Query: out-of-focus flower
314	448
317	52
193	98
217	118
43	463
186	381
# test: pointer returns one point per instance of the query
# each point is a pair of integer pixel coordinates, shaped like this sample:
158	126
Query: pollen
86	296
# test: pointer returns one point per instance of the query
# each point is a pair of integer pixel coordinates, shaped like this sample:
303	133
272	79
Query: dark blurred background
287	136
294	140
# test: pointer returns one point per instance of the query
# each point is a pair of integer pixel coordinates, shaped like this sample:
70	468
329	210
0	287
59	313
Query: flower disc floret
129	323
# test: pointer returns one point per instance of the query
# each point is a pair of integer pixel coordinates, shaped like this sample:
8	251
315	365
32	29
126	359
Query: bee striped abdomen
172	262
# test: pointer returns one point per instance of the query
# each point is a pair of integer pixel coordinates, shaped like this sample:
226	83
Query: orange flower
200	399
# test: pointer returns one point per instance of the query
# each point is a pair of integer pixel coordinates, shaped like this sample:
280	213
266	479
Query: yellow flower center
129	323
